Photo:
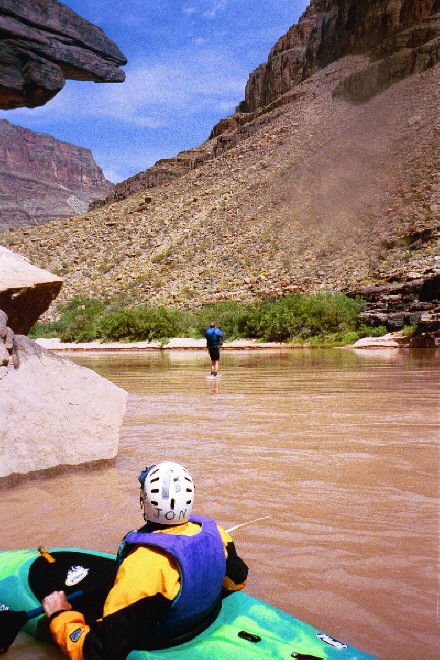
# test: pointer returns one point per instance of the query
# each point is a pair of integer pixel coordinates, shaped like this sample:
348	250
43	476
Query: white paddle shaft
231	529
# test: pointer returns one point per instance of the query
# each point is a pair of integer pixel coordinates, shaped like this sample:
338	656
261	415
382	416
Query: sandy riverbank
181	343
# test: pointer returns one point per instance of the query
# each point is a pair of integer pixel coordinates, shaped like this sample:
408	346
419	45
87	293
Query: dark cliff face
331	29
42	178
43	43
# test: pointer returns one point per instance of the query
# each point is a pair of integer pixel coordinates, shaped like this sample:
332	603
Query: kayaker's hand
55	602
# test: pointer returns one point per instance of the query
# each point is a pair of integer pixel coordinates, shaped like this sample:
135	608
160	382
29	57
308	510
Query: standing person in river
171	575
214	339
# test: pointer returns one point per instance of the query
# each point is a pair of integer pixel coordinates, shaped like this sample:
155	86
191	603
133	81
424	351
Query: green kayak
245	627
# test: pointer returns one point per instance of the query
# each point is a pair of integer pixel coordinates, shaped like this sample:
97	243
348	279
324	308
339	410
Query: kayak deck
276	634
245	627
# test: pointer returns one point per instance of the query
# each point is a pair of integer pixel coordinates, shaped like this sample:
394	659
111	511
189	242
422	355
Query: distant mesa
43	43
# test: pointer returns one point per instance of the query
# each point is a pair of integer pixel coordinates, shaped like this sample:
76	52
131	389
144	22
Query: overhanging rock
42	44
25	290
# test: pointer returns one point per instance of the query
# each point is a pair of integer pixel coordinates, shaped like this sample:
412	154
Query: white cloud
228	107
113	174
154	92
215	7
119	162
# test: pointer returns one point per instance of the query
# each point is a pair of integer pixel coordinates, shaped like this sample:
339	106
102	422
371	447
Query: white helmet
167	494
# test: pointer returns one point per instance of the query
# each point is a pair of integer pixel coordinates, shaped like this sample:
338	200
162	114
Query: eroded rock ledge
415	301
43	43
25	290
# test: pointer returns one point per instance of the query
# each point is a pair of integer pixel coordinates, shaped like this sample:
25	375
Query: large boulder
42	44
54	412
25	290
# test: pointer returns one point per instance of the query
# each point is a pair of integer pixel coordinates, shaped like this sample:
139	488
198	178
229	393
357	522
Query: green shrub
323	318
143	323
228	315
409	330
370	331
344	338
305	316
77	322
47	329
79	319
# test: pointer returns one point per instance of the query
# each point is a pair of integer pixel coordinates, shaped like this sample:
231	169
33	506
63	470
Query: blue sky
188	64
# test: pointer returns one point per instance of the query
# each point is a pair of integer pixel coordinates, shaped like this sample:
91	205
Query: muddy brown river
339	447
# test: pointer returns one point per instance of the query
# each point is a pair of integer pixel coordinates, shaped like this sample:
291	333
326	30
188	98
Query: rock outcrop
25	291
43	43
42	178
331	29
54	413
415	302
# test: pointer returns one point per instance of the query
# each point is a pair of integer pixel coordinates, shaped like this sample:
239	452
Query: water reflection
338	447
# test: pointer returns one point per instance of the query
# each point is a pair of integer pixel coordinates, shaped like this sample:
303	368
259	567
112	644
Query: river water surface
338	447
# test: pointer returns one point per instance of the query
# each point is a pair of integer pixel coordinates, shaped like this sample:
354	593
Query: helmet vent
155	490
153	480
172	503
154	503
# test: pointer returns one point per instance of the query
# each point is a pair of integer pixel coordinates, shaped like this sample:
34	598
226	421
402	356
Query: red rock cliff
42	178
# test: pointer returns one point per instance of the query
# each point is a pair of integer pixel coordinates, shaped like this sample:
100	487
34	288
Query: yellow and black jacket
146	584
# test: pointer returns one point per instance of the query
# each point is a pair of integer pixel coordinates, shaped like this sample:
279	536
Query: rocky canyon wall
331	29
42	178
399	38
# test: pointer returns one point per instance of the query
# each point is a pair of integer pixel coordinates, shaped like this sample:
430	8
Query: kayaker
214	339
172	574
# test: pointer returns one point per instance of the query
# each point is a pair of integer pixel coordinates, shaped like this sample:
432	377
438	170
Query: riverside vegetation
319	319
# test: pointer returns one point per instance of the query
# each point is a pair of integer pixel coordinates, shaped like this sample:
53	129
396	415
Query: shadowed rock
25	291
43	43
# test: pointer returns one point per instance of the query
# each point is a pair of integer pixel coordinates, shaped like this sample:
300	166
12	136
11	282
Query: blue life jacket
202	565
214	336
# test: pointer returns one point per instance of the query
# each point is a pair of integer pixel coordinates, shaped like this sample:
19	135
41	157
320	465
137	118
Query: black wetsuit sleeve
236	569
131	628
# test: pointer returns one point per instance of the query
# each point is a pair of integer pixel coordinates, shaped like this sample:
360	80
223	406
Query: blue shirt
214	336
